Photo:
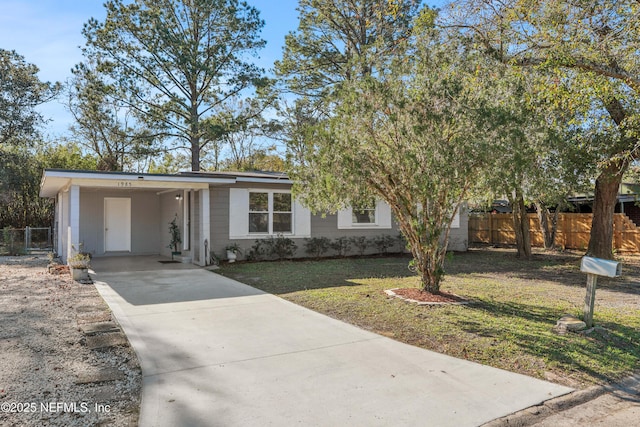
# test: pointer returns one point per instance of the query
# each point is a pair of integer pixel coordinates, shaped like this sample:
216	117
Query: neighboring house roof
55	180
628	192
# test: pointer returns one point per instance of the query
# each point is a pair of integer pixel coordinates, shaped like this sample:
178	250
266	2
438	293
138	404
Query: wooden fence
573	231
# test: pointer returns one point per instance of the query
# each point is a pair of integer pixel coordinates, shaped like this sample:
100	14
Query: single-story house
118	213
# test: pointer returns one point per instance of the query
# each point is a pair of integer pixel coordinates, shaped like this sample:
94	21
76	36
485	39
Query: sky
48	33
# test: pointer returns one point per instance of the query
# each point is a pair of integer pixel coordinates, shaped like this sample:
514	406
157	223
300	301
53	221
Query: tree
105	126
20	175
593	49
21	91
416	136
243	135
175	61
536	159
335	36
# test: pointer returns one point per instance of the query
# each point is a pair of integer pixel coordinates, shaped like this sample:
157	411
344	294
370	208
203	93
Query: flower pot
79	274
231	256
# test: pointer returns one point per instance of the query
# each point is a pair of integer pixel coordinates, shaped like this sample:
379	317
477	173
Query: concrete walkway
215	352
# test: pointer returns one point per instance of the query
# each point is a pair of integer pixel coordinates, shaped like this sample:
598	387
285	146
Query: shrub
317	246
258	251
361	243
282	247
278	247
383	243
79	260
402	242
341	245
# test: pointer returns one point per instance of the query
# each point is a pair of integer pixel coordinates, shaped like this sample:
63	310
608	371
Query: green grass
508	324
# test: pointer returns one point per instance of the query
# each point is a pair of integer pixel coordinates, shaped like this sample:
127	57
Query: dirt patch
49	374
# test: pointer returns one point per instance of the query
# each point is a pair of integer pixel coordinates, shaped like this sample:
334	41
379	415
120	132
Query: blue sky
48	34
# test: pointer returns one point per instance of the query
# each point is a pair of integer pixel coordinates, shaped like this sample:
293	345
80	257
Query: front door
117	224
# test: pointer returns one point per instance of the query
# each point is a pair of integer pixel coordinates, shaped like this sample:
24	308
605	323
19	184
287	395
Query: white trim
134	177
186	218
55	181
205	226
73	230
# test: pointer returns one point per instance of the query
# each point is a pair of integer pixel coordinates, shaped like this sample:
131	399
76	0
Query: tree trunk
195	154
548	224
606	197
431	273
521	226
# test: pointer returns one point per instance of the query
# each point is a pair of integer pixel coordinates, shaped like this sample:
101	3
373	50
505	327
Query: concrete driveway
216	352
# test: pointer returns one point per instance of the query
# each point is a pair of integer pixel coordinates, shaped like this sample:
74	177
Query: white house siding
145	220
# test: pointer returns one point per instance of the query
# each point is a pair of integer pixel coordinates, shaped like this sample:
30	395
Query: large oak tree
592	47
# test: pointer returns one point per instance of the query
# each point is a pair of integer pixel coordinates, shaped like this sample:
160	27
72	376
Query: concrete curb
536	414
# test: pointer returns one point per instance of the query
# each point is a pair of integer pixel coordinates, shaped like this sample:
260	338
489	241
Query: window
282	212
259	212
365	214
270	212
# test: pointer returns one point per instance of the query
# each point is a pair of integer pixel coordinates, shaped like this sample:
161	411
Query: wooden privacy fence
573	231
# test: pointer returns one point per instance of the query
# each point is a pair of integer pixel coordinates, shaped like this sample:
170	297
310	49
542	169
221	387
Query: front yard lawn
508	324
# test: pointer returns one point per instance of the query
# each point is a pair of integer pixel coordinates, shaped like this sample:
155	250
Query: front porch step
183	259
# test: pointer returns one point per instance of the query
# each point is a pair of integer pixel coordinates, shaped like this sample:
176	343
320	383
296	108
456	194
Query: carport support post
205	227
590	299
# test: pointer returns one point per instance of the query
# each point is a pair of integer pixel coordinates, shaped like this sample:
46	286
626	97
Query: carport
117	213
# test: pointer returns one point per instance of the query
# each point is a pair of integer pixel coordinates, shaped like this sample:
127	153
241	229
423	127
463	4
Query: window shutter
383	210
302	220
344	218
238	213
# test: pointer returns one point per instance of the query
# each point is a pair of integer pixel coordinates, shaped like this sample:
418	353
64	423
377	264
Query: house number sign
124	183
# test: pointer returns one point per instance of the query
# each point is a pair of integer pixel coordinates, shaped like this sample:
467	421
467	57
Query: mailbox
600	267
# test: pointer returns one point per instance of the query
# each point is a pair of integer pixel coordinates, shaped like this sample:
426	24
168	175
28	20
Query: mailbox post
595	267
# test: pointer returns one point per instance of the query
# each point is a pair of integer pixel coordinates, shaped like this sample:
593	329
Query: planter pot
175	254
231	256
79	274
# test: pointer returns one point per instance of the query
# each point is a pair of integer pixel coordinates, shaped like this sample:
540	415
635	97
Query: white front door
117	224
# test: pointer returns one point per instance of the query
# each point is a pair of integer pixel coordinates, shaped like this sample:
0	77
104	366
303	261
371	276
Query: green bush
279	247
341	245
383	243
361	243
317	246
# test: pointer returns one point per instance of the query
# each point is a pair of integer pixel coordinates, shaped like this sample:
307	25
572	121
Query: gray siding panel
145	216
326	226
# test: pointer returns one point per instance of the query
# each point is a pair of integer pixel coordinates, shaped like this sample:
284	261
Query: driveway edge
537	413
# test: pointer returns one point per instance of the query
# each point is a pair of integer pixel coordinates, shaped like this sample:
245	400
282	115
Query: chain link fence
19	241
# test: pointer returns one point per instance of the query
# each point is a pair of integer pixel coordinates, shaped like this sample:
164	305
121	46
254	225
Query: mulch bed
422	297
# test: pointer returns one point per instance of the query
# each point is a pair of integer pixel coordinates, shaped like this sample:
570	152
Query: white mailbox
601	267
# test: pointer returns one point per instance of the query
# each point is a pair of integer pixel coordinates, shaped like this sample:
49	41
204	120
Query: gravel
48	375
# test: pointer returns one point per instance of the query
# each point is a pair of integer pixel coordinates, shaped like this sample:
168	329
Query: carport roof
55	180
